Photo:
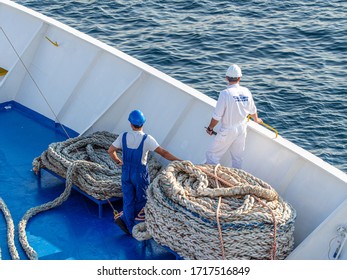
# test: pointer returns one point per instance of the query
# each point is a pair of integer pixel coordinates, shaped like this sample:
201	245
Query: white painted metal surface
89	86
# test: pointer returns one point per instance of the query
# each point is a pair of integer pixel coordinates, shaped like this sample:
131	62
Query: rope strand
217	215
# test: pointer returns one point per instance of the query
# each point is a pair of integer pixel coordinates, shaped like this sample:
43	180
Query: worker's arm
112	151
165	154
211	126
255	118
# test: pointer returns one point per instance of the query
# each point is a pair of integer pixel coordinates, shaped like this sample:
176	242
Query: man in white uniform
234	104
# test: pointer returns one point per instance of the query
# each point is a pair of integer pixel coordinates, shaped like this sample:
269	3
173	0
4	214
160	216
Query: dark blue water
293	54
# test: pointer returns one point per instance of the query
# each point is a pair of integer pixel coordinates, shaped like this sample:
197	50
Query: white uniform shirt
233	106
134	139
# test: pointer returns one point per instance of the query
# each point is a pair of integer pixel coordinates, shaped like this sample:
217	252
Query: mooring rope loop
99	176
248	220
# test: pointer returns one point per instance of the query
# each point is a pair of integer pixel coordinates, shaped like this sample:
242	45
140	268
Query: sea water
293	54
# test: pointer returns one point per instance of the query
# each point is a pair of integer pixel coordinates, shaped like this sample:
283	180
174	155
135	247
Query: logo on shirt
241	98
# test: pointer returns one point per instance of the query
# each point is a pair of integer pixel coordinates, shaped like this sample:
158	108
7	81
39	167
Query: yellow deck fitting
3	71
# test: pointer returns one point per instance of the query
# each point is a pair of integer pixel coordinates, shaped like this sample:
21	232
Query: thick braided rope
30	252
10	230
99	176
181	214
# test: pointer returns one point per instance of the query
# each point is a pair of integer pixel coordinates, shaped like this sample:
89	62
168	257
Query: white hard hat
234	71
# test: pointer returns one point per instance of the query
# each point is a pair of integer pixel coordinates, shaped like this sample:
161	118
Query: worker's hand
119	162
259	120
210	131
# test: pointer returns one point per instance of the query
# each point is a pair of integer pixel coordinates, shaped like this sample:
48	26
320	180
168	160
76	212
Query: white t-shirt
234	104
134	139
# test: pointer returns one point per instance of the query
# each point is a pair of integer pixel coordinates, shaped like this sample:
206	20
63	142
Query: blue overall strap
132	157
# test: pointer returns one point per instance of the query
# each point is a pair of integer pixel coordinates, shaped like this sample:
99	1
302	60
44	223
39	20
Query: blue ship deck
72	230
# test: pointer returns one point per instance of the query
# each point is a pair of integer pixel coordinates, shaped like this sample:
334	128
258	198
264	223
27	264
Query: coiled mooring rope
99	176
185	200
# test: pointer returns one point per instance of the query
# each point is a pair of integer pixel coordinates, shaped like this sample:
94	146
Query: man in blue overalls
135	145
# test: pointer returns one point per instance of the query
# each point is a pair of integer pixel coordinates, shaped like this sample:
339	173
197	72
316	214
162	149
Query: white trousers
231	140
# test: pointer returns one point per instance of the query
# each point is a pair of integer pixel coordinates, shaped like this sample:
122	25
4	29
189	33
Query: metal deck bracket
99	202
